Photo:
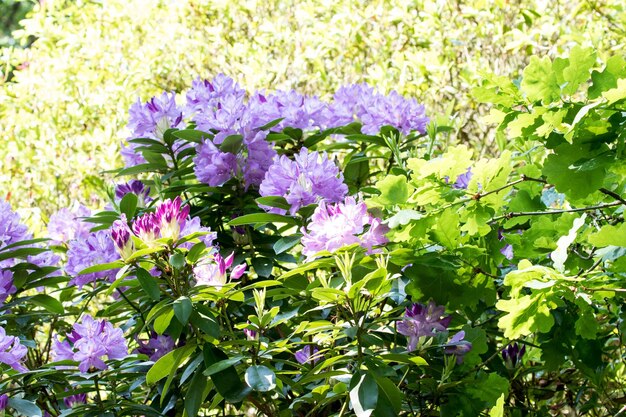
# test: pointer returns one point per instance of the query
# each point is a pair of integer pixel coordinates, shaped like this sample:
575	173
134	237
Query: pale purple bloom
212	166
156	347
507	251
4	400
152	118
308	354
76	399
393	110
131	156
97	248
349	103
308	179
463	180
457	346
66	225
296	110
147	228
420	320
205	96
334	226
6	285
136	187
192	225
513	354
12	351
260	157
214	273
91	341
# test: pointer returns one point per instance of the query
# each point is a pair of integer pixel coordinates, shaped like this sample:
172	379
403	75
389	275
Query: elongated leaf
148	283
182	309
257	218
170	361
51	304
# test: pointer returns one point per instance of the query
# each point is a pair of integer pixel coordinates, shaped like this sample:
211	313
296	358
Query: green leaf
581	60
204	320
539	81
616	94
177	261
128	205
260	378
102	267
168	363
223	364
226	381
273	201
388	390
285	243
192	135
498	409
196	393
261	218
148	283
182	309
488	388
231	144
394	190
447	231
607	79
24	407
163	320
51	304
195	252
609	235
262	266
525	315
363	394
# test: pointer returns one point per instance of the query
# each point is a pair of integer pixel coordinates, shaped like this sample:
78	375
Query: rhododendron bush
270	253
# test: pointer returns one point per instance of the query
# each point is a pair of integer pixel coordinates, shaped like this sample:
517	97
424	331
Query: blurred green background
70	69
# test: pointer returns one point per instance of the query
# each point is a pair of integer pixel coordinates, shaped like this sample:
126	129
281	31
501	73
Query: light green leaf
260	378
539	81
609	235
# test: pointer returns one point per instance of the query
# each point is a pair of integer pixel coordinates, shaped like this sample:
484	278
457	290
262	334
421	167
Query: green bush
63	113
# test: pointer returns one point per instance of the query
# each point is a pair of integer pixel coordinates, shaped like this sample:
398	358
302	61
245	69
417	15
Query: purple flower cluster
6	285
66	225
97	248
150	120
308	179
513	354
156	347
457	346
336	225
463	180
90	342
76	399
422	320
214	273
12	351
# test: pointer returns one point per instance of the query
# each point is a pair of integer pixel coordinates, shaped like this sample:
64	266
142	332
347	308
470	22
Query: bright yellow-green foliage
63	114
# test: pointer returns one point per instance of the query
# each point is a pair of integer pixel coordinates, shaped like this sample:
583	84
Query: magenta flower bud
171	217
136	187
4	400
120	233
238	271
147	228
250	334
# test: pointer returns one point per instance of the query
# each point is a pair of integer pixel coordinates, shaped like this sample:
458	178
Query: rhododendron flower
136	187
156	347
457	346
420	320
152	118
334	226
308	354
97	248
513	354
120	233
4	401
12	351
76	399
212	166
214	273
463	180
6	285
91	341
171	217
308	179
66	225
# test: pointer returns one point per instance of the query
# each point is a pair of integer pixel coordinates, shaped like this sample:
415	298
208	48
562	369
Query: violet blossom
212	166
422	321
214	273
75	399
513	354
97	248
91	342
121	235
157	346
12	352
334	226
308	354
136	187
6	285
67	224
4	401
458	346
308	179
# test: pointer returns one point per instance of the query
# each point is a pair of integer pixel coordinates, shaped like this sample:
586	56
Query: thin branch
549	212
613	194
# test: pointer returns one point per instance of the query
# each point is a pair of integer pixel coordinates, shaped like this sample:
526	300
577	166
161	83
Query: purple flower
12	351
66	225
513	354
206	96
250	333
308	354
261	153
306	180
192	226
6	285
156	347
11	230
171	217
152	118
463	180
91	341
457	346
121	233
393	110
136	187
507	250
350	102
76	399
97	248
214	273
334	226
420	320
212	166
4	400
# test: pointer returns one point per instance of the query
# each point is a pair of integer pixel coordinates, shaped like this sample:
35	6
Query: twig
548	212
